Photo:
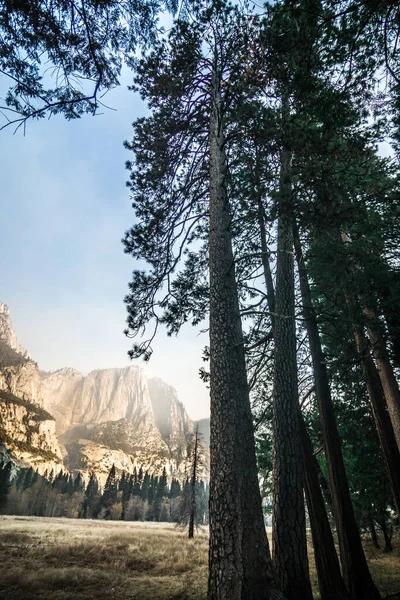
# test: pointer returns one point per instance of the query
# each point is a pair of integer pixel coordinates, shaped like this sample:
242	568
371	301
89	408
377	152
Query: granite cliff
7	334
118	416
64	419
27	430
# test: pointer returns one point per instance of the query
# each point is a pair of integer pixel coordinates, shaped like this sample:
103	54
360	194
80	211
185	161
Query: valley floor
69	559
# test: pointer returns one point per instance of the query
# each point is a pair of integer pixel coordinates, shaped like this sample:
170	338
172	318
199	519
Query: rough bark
330	579
386	374
193	485
269	284
355	570
289	531
382	420
331	584
378	342
239	561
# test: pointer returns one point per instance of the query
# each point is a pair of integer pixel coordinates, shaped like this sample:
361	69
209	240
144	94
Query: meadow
69	559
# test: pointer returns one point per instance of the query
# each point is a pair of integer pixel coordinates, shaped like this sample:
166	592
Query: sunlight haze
64	210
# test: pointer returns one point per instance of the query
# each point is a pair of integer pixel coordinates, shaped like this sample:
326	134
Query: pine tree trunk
330	579
331	584
355	570
385	370
239	562
269	284
386	535
325	488
381	417
372	530
193	487
288	527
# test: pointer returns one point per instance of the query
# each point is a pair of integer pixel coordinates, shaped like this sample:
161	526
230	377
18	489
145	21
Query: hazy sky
64	209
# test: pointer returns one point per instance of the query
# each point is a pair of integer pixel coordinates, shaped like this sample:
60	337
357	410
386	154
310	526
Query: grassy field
67	559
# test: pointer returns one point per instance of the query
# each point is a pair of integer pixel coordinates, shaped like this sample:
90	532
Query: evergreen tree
161	493
140	476
145	487
78	484
91	497
190	113
83	41
5	484
110	492
191	508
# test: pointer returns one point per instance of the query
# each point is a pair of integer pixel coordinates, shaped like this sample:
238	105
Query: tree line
139	496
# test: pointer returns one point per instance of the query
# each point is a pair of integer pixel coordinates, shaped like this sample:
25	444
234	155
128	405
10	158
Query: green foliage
9	442
5	483
91	502
35	412
84	43
9	357
123	497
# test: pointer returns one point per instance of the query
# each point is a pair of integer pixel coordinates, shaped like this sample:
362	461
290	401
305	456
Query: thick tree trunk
356	574
288	526
239	561
381	417
386	374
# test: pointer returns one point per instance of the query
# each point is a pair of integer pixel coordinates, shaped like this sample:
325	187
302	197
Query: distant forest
130	497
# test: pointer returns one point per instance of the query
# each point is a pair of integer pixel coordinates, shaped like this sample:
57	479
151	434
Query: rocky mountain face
118	416
7	334
110	416
27	430
170	415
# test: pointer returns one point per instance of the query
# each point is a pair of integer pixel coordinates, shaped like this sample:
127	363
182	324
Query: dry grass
67	559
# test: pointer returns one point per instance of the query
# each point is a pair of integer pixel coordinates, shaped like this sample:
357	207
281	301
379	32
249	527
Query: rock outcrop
170	415
101	396
27	430
7	334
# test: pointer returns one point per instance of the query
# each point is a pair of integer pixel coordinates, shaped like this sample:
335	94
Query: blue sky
64	209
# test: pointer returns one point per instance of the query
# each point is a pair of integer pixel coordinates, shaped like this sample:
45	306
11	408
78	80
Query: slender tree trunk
393	324
385	370
372	530
356	574
239	561
381	417
193	486
269	284
331	584
325	488
387	535
289	529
